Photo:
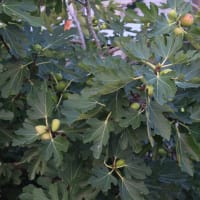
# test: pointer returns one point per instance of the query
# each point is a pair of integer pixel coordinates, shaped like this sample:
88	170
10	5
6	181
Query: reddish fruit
187	20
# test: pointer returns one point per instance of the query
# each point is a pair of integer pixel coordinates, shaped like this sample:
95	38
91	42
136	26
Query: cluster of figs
181	21
45	132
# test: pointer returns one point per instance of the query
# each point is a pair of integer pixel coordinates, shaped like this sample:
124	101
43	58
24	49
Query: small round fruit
55	125
95	22
40	129
187	20
149	89
172	15
37	47
162	151
45	136
103	26
182	109
165	71
135	106
59	76
120	163
61	86
179	31
65	96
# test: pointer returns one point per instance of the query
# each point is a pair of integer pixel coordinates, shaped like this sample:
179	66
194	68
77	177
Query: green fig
46	136
135	106
120	163
61	86
179	31
59	76
172	15
162	151
40	129
55	125
149	89
37	47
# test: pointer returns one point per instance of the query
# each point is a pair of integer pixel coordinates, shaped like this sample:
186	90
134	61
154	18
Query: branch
73	14
90	26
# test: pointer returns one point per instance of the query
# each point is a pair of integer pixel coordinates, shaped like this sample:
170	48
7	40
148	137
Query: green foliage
103	148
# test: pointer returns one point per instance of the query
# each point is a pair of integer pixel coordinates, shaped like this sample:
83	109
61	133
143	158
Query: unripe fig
149	89
172	15
187	20
58	76
37	47
179	31
135	106
182	109
40	129
61	86
162	151
65	96
55	125
120	163
95	22
166	71
103	26
45	136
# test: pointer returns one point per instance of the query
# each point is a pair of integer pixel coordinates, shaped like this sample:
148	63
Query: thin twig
73	14
89	22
